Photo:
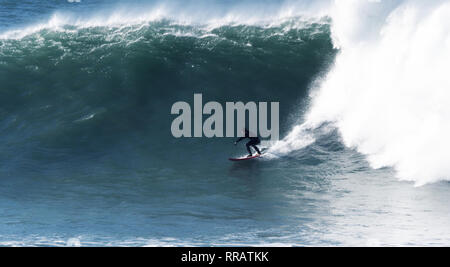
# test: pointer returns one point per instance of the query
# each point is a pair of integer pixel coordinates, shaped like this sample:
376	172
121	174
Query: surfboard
245	158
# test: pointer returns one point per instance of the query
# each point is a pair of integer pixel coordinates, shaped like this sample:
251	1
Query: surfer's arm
239	140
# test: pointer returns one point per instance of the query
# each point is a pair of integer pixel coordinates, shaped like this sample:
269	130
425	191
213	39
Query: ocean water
87	157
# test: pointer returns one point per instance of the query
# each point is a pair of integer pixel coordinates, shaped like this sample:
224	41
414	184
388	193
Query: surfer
252	143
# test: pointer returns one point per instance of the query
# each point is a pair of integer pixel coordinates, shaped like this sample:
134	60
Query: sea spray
387	92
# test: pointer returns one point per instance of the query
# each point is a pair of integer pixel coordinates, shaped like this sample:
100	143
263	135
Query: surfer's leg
257	149
255	142
249	143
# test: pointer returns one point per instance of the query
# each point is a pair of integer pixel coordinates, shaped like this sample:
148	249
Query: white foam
204	13
73	242
389	91
298	138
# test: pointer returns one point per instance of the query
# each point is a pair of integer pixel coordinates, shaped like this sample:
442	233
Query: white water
389	90
205	13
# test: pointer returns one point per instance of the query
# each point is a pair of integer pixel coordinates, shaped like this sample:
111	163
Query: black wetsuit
252	143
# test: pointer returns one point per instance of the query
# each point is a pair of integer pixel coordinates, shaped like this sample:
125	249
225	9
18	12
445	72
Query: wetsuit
252	143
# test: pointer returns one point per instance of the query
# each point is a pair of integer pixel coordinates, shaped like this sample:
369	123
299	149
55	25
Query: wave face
80	88
388	90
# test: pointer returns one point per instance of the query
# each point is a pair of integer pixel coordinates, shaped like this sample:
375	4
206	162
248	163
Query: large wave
388	92
78	87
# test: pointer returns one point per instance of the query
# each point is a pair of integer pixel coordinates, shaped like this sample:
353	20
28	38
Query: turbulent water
87	156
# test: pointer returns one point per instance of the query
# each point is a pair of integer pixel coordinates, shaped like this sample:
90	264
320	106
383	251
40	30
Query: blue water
87	157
